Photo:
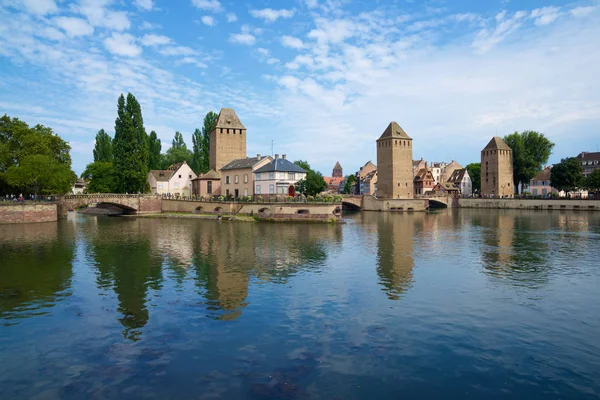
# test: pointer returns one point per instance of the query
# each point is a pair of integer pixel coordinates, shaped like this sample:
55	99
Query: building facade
497	169
462	180
227	140
237	176
277	177
394	164
175	180
589	162
423	181
361	174
207	185
368	185
335	182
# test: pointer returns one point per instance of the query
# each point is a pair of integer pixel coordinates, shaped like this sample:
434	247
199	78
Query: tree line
121	164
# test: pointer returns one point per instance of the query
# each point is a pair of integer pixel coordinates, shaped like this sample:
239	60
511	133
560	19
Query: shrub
221	198
290	198
259	199
310	198
248	198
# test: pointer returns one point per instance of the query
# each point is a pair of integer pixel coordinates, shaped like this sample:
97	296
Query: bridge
129	203
352	202
358	202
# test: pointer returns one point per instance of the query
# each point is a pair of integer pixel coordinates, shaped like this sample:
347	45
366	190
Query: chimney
276	156
283	156
258	157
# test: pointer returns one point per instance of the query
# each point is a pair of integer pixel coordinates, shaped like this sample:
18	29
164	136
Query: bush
259	199
290	198
221	198
248	198
310	198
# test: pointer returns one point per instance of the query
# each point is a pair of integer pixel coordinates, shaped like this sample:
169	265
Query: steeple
337	170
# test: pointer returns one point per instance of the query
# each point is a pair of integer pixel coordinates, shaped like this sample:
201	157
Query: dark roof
497	144
589	156
544	175
458	175
175	167
424	173
370	176
337	165
228	119
247	162
166	174
280	164
394	131
445	186
211	175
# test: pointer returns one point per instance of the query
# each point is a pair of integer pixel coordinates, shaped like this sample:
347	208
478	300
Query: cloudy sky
320	78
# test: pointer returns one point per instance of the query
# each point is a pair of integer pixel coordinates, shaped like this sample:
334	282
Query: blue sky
320	78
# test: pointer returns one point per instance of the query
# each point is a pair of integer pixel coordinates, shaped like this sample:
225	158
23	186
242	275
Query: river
480	304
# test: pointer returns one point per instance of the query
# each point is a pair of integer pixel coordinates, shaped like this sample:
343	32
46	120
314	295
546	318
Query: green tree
202	142
154	147
474	170
313	184
196	164
41	174
531	151
177	153
101	177
592	182
350	180
103	147
303	164
130	147
567	175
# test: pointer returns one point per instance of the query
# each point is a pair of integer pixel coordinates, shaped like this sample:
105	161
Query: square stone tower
394	164
497	169
227	140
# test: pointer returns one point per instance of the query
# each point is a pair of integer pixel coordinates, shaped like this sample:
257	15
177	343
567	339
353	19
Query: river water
480	304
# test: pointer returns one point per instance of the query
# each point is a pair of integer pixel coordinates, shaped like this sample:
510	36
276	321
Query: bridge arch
350	205
126	209
436	204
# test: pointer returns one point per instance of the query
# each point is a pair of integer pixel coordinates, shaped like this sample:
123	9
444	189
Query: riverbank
27	213
233	218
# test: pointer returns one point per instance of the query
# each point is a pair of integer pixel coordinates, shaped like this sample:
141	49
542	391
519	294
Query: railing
257	199
102	195
4	201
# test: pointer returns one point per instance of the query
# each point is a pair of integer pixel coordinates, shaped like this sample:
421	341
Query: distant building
360	176
589	162
237	176
394	164
227	140
497	169
462	180
335	182
423	181
436	169
176	180
418	165
338	172
207	185
446	188
368	185
79	186
277	177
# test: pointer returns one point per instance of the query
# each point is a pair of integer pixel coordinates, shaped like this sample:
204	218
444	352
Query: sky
318	80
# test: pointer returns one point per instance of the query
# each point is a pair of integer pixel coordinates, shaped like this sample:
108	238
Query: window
209	187
245	178
246	192
271	175
190	176
180	176
271	189
282	175
257	190
280	190
227	179
292	176
227	193
258	176
236	179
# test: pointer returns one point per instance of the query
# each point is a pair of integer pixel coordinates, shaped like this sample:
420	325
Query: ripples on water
470	304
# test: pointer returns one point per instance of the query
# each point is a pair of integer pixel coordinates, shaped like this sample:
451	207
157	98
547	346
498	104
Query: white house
176	180
277	177
462	180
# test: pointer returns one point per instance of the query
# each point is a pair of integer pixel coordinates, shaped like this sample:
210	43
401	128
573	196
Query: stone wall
27	213
518	204
149	204
401	205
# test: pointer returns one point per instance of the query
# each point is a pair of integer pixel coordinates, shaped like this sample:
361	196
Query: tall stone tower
394	164
227	140
337	171
497	169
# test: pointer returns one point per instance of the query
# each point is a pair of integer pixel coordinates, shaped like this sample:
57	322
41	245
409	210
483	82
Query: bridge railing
259	199
103	195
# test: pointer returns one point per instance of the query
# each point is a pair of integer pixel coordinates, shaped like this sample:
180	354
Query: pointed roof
211	175
497	144
228	119
337	165
394	131
457	176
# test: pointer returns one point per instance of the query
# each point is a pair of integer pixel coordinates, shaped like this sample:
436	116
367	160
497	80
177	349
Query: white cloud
582	11
177	51
292	42
263	52
148	26
210	5
74	27
231	17
122	45
145	5
242	38
208	20
99	15
40	7
271	15
487	38
545	15
333	31
155	40
192	60
311	3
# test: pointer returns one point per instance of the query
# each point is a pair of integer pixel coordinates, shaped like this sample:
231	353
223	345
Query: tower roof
394	131
337	165
228	119
497	144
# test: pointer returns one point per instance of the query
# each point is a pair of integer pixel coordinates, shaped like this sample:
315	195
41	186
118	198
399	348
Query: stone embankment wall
518	204
265	210
399	205
27	213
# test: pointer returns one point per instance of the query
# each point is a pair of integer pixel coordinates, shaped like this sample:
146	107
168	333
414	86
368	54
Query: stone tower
227	140
337	171
497	169
394	164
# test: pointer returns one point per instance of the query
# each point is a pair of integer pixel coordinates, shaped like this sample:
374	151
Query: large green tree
130	147
103	147
201	143
592	181
313	184
350	180
154	147
101	177
567	175
41	174
178	152
531	151
474	170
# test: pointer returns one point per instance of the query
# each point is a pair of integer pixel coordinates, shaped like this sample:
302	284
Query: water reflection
35	268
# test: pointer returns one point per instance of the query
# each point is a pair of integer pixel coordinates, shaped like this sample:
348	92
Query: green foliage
474	170
20	146
531	151
567	175
201	143
103	147
303	164
197	164
177	153
130	147
313	184
154	147
592	182
350	180
101	177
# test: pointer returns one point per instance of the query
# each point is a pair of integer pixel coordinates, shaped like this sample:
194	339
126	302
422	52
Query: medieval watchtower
497	169
394	164
227	140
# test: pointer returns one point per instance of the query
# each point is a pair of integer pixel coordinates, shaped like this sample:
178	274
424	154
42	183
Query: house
79	186
589	162
448	170
423	181
361	174
462	180
207	185
418	165
335	182
277	177
237	176
540	184
446	188
369	184
175	180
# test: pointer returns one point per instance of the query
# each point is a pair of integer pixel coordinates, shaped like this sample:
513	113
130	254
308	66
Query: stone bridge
352	202
130	203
